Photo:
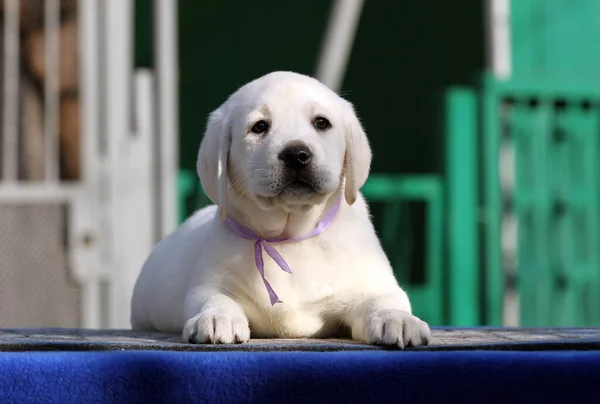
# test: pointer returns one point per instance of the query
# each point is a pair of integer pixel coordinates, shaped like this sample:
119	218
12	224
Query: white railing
338	41
11	93
122	203
51	89
166	62
10	126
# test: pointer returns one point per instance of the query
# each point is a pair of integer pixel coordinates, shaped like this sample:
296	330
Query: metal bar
10	124
117	31
593	240
51	89
337	44
85	260
26	193
166	63
90	303
138	204
494	278
461	174
543	87
498	38
525	205
540	125
435	254
186	182
509	221
89	87
383	188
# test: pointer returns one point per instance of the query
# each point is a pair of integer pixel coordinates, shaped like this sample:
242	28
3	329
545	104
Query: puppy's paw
396	328
216	328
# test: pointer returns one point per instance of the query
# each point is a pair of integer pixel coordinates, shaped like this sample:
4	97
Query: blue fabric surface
300	377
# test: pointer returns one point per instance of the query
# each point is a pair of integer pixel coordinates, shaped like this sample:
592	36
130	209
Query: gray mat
49	339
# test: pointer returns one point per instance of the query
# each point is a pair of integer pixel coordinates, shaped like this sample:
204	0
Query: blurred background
483	115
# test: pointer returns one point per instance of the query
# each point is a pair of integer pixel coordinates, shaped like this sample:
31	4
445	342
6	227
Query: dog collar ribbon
264	243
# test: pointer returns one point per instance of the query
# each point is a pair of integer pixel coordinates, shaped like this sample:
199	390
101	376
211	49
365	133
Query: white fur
202	279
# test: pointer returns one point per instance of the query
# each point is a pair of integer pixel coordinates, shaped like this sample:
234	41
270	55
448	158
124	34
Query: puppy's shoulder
200	218
356	218
353	231
195	231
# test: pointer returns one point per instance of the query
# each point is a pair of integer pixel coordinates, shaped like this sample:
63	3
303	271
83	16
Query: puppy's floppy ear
357	160
213	157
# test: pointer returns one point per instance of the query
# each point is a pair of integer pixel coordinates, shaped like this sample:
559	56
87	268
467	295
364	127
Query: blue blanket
482	365
300	377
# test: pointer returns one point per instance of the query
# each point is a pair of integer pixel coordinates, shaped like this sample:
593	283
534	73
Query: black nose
295	157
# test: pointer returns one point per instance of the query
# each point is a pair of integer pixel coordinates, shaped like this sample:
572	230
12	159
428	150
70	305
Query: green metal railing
554	129
462	174
395	231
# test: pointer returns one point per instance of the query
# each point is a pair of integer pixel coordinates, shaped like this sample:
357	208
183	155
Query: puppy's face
283	140
288	142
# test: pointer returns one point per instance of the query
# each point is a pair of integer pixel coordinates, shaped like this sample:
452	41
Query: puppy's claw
207	328
396	328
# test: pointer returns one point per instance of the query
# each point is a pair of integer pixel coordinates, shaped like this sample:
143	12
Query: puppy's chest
305	294
312	271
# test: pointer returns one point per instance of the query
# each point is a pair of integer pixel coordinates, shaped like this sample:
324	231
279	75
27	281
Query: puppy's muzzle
299	177
296	157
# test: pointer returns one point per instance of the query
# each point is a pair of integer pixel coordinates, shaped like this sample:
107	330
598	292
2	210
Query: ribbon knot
261	244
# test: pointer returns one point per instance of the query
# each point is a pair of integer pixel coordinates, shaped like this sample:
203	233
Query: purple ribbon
263	243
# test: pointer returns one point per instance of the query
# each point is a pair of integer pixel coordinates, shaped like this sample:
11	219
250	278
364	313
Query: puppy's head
283	140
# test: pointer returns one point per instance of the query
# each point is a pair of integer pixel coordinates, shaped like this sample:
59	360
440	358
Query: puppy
288	250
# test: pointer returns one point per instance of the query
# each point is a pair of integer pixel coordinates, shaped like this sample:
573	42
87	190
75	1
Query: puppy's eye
322	123
260	127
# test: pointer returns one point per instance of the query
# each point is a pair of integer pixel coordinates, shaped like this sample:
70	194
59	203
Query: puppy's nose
295	157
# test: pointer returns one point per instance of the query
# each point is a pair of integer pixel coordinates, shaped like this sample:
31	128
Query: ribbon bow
263	243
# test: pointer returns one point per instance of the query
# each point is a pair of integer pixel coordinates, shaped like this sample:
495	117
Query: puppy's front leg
214	318
387	320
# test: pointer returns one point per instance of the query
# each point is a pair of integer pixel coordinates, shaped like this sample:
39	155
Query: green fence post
492	199
427	299
185	187
462	207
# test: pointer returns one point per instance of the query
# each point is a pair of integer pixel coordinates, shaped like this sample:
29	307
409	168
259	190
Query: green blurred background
439	123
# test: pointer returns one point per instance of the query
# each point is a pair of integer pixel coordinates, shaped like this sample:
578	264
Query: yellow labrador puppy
288	250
